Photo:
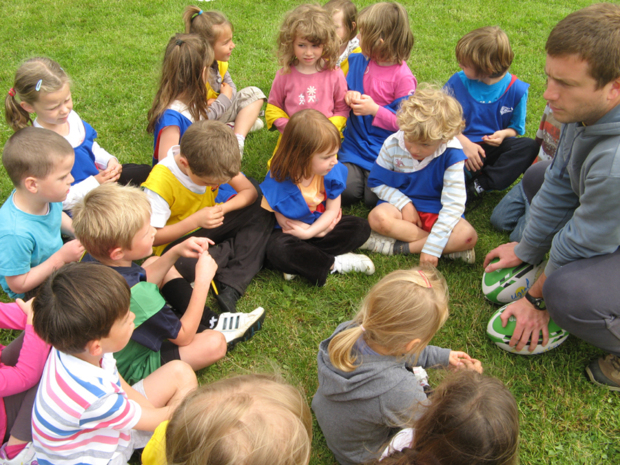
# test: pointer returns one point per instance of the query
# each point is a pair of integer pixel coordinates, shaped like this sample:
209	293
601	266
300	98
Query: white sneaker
25	457
353	262
238	327
468	256
289	277
258	125
379	244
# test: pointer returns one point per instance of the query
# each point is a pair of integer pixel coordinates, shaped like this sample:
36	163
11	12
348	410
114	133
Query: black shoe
473	197
227	298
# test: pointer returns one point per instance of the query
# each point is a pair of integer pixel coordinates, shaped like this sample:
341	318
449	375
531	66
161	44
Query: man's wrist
537	302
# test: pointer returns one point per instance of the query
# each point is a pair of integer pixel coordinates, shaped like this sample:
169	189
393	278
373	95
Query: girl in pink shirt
309	78
21	365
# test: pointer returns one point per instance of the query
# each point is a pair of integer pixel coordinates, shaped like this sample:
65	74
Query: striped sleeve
386	160
453	198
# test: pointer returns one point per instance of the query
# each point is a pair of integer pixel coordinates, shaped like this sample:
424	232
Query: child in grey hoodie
365	387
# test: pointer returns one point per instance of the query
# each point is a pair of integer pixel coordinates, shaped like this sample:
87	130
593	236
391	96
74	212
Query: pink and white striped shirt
81	414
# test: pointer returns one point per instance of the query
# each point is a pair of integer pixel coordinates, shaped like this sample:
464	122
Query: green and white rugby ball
509	284
501	335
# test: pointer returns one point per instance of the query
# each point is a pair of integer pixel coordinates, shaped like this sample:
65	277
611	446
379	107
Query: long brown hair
186	58
206	24
307	133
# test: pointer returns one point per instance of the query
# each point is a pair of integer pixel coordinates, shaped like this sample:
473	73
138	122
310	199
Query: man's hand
530	322
506	255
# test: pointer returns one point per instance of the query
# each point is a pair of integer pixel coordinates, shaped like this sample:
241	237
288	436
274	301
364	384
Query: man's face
572	93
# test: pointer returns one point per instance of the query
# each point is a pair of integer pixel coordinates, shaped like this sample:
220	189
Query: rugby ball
501	335
509	284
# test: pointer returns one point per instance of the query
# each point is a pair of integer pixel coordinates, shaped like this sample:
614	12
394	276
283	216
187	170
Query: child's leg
246	117
205	349
356	181
386	219
504	164
134	174
462	237
169	384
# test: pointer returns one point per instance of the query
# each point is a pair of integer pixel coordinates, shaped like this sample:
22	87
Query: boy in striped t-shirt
85	413
419	179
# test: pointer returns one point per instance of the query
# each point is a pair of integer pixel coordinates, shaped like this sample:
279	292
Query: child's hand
226	90
352	96
364	106
111	173
72	251
461	360
475	154
332	225
26	308
297	228
428	259
411	214
210	101
211	217
205	270
495	139
193	247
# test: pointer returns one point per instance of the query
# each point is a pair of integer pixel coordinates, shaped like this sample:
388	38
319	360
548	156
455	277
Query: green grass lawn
113	50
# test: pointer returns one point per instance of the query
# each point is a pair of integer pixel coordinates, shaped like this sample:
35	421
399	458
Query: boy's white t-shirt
81	413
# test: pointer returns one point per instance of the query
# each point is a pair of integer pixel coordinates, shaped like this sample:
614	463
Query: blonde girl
344	14
43	88
471	420
365	387
226	104
182	96
308	53
251	420
378	81
303	189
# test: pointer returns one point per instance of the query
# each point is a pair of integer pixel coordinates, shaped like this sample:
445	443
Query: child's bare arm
69	252
324	224
170	135
205	271
191	247
474	152
151	416
246	194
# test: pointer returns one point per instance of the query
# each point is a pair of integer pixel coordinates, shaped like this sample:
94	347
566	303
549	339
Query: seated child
21	366
44	89
378	81
84	411
309	79
471	420
419	180
39	162
494	104
226	104
512	212
250	420
366	388
344	14
303	187
113	224
182	190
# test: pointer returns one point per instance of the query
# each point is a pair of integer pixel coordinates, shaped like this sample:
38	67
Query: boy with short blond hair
84	411
113	223
419	179
182	191
494	105
39	164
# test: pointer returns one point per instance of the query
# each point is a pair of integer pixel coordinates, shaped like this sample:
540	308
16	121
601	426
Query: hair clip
200	12
363	329
38	86
180	42
12	92
428	284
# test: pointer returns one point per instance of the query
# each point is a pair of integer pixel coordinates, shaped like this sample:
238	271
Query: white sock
337	266
478	187
241	139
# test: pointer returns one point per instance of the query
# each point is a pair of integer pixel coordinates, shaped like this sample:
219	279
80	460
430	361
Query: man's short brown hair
593	34
79	303
211	150
33	152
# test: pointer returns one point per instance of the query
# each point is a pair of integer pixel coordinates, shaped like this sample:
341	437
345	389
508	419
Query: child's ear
117	253
31	184
411	345
183	161
26	106
94	348
353	25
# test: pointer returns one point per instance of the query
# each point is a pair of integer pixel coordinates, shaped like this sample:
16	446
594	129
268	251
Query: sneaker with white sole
258	125
605	372
468	256
289	277
379	244
238	327
348	262
25	457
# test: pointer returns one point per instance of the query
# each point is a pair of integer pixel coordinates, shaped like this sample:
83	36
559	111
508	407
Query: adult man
576	213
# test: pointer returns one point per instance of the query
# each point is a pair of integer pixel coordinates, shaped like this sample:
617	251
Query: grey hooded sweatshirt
360	411
576	212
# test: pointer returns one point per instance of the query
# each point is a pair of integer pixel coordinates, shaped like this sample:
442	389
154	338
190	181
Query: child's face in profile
341	30
55	186
420	150
142	243
120	333
224	44
52	108
323	162
470	72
